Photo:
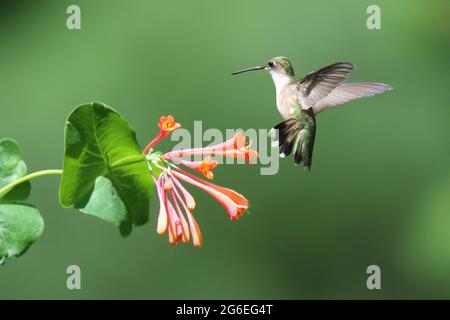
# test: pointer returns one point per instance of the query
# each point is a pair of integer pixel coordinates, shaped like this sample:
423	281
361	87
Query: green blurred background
378	192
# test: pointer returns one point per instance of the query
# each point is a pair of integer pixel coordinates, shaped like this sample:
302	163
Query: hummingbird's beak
249	69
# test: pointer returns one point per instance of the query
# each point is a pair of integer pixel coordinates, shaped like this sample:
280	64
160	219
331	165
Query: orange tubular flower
233	148
166	125
176	203
235	203
205	166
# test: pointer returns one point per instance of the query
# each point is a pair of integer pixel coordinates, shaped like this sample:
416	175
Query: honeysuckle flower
166	125
235	203
204	166
176	203
162	217
233	148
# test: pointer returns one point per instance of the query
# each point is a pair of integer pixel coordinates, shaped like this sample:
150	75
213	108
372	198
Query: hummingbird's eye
271	64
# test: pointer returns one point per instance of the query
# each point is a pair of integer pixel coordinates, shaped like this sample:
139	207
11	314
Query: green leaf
12	167
106	204
104	169
20	226
18	193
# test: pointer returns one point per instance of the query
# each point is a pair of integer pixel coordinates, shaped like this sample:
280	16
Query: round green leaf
20	226
12	167
103	161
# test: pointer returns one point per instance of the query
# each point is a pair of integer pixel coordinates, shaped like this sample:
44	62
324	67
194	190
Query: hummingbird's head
280	68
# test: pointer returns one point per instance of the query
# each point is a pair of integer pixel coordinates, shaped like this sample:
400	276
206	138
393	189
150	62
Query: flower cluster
176	203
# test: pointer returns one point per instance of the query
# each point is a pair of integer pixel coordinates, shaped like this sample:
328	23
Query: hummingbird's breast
287	101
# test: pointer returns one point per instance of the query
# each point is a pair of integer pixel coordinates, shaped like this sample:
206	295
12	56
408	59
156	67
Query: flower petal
162	217
235	143
197	238
183	224
188	198
168	124
234	209
204	166
172	218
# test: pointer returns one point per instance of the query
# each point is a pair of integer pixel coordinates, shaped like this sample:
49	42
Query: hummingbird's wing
318	84
350	91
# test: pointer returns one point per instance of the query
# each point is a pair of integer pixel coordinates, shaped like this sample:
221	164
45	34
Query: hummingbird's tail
296	136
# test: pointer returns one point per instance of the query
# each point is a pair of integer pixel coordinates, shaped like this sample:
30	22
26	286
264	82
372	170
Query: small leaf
12	167
20	226
104	168
105	203
18	193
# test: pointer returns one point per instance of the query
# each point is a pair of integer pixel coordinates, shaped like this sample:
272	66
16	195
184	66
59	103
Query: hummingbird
300	100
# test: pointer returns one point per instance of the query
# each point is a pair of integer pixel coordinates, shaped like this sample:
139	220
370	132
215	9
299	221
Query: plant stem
9	187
